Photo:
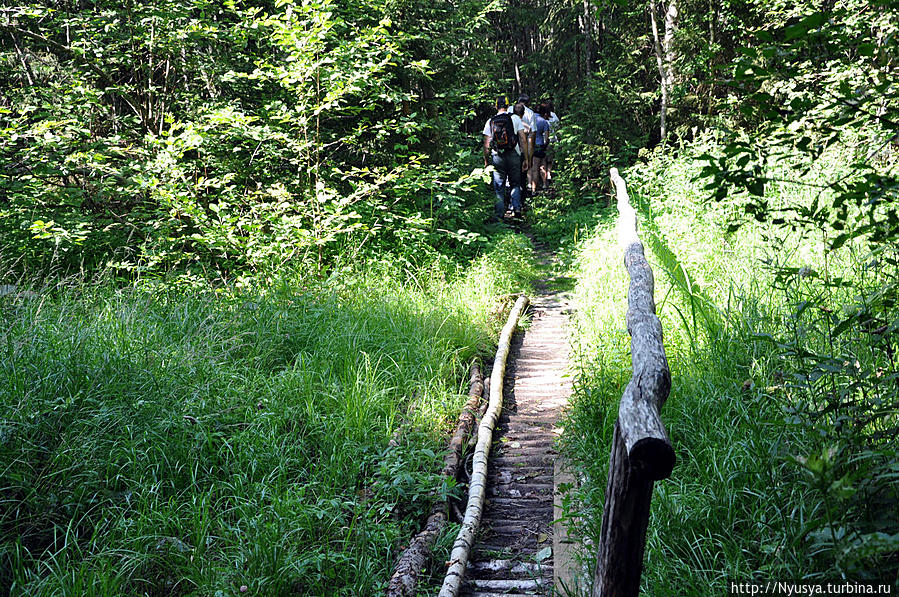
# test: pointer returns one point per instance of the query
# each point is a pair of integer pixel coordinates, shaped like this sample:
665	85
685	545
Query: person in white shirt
519	109
504	138
529	120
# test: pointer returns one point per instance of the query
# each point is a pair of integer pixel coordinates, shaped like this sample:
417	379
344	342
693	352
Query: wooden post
641	451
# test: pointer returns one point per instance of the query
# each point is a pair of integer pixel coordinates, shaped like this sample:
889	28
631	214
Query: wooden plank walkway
513	554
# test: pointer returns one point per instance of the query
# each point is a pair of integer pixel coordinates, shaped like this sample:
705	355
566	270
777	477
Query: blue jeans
507	165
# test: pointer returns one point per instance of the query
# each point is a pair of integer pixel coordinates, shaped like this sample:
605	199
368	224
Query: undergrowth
783	403
165	441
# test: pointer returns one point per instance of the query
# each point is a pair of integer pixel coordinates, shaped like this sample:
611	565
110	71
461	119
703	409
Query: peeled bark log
642	431
641	451
415	557
477	487
648	446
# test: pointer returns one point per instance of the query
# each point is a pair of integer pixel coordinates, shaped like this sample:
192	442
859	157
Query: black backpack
502	131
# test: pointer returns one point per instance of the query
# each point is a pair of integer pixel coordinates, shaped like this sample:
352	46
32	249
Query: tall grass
156	441
777	417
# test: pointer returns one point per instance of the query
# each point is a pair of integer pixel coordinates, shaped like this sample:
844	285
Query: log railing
641	451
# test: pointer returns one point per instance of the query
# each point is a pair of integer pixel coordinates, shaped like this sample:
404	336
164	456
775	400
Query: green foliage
227	140
820	83
81	89
193	141
783	403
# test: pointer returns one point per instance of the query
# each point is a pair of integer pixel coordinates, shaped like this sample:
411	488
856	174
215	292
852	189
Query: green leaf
800	29
757	188
866	49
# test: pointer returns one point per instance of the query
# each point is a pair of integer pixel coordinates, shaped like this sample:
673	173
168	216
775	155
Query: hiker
528	120
537	173
528	152
553	119
504	138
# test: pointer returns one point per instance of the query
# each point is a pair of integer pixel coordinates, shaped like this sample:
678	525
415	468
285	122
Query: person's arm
525	155
532	137
486	150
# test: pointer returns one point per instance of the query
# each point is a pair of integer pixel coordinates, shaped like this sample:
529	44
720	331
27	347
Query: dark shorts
540	152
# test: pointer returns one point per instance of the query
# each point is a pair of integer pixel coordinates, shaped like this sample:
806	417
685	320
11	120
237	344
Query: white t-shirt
516	126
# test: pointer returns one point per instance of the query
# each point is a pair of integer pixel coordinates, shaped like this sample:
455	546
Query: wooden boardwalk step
513	551
524	584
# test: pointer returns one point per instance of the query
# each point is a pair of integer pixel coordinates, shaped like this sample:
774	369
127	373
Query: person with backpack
537	173
504	138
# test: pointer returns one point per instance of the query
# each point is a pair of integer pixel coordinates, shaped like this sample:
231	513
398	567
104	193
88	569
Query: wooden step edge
566	574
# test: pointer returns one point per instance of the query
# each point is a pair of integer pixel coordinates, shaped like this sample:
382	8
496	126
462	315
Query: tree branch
22	58
58	48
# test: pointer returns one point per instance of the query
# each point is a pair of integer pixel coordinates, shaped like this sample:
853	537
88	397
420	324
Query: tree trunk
29	75
664	50
668	44
713	22
587	29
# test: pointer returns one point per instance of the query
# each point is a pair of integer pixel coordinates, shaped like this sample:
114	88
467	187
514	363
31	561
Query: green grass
781	472
156	441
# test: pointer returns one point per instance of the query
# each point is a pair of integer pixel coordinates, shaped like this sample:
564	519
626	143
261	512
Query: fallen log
466	423
415	557
481	411
477	488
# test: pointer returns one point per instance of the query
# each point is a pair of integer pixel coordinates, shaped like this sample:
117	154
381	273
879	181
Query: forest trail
514	551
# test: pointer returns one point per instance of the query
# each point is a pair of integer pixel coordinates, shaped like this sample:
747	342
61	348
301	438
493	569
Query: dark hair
524	98
501	101
518	109
544	110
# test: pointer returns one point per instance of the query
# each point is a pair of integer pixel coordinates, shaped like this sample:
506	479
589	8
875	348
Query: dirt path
513	554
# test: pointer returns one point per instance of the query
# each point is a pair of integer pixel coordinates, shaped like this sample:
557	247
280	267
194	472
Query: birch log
641	451
478	485
415	557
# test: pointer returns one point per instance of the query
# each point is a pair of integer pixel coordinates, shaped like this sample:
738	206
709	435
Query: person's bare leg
534	175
